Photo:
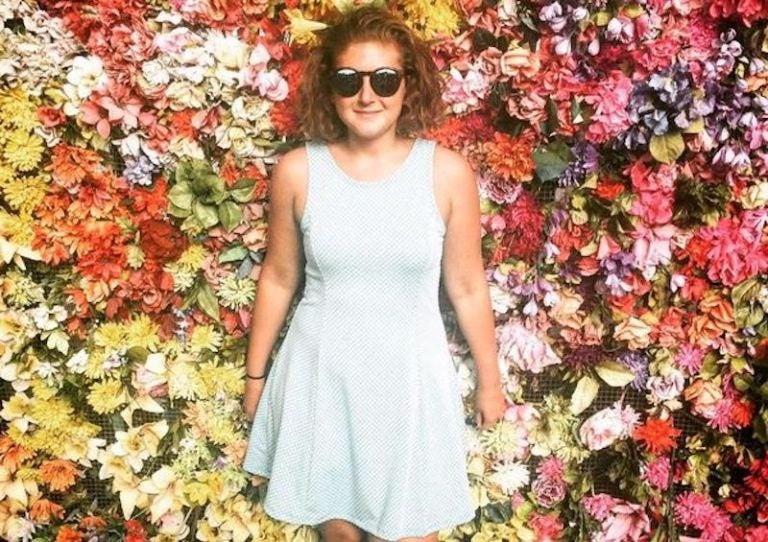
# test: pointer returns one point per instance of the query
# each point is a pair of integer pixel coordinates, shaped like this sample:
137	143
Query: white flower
155	73
501	300
78	363
510	477
228	50
87	74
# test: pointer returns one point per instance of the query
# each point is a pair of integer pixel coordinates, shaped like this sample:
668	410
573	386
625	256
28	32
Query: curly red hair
422	106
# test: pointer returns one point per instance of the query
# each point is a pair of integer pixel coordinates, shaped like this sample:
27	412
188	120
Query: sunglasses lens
346	82
385	81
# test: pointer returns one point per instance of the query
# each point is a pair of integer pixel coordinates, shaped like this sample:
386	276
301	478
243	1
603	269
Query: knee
338	530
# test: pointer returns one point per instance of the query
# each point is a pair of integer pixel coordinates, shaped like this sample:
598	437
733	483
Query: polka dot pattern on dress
361	417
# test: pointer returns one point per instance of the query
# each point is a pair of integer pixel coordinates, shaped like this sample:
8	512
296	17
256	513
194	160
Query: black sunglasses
347	82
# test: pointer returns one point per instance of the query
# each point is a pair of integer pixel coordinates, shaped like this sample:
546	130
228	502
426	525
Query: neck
378	146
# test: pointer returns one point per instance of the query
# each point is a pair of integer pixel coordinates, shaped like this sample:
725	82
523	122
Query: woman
360	425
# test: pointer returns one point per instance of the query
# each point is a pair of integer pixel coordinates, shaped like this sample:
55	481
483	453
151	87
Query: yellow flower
24	194
302	30
107	396
142	331
111	336
52	412
204	337
432	18
183	380
23	150
18	230
18	110
220	378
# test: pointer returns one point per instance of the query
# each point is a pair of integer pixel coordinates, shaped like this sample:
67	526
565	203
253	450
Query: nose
366	94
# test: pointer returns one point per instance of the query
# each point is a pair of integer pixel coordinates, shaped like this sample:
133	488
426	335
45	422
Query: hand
490	405
253	390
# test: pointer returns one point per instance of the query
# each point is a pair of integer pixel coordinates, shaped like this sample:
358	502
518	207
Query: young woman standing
360	426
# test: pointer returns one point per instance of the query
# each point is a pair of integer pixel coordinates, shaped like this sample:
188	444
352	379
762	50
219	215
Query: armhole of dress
306	213
431	195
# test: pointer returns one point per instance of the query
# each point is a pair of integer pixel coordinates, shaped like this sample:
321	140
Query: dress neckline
379	181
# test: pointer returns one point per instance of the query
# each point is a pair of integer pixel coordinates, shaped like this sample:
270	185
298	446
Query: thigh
338	530
429	538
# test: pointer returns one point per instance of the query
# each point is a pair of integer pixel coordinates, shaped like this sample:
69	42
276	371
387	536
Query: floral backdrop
620	150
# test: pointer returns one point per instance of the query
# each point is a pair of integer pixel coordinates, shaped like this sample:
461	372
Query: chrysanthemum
220	378
44	510
12	455
511	157
510	477
192	258
59	474
110	336
24	194
107	396
204	337
142	331
23	150
657	436
235	292
52	413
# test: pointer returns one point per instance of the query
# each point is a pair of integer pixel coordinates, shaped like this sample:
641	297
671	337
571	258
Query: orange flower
511	157
657	436
12	455
70	165
93	523
59	474
43	510
68	534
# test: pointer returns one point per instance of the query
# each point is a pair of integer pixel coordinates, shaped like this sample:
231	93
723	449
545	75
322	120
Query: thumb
478	419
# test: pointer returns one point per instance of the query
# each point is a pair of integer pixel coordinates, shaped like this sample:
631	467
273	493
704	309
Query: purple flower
637	362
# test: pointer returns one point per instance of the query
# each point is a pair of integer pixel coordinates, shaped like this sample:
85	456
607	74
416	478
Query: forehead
369	55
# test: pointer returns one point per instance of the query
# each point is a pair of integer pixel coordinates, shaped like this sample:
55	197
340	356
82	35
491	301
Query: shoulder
292	164
453	170
291	171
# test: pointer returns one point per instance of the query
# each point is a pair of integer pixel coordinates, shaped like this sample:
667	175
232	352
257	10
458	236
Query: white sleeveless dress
361	416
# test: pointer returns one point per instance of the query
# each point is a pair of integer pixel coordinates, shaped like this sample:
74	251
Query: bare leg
429	538
338	530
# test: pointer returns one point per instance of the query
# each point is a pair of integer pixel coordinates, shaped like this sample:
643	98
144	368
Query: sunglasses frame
370	74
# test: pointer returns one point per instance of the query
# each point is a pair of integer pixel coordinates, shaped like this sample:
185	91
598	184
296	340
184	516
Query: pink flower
735	252
520	348
464	92
546	528
607	426
609	99
656	473
620	521
272	85
689	358
697	511
653	246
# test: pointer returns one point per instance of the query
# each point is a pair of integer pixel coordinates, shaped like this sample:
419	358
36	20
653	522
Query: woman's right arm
281	270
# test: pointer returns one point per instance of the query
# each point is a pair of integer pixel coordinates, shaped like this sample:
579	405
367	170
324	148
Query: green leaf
206	214
243	190
614	374
231	215
584	394
551	160
745	291
695	127
667	148
183	172
207	301
181	196
233	254
178	211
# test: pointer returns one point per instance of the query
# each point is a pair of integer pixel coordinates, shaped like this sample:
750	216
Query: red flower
68	534
609	190
524	233
511	158
160	241
657	436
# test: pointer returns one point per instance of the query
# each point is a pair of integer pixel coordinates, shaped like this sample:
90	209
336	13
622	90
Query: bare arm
282	269
463	272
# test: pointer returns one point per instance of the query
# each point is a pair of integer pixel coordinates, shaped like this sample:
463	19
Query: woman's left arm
464	279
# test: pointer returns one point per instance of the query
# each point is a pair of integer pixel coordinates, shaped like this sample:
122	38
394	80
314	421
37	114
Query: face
367	115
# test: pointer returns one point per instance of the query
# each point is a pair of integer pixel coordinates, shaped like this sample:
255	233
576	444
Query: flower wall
620	149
